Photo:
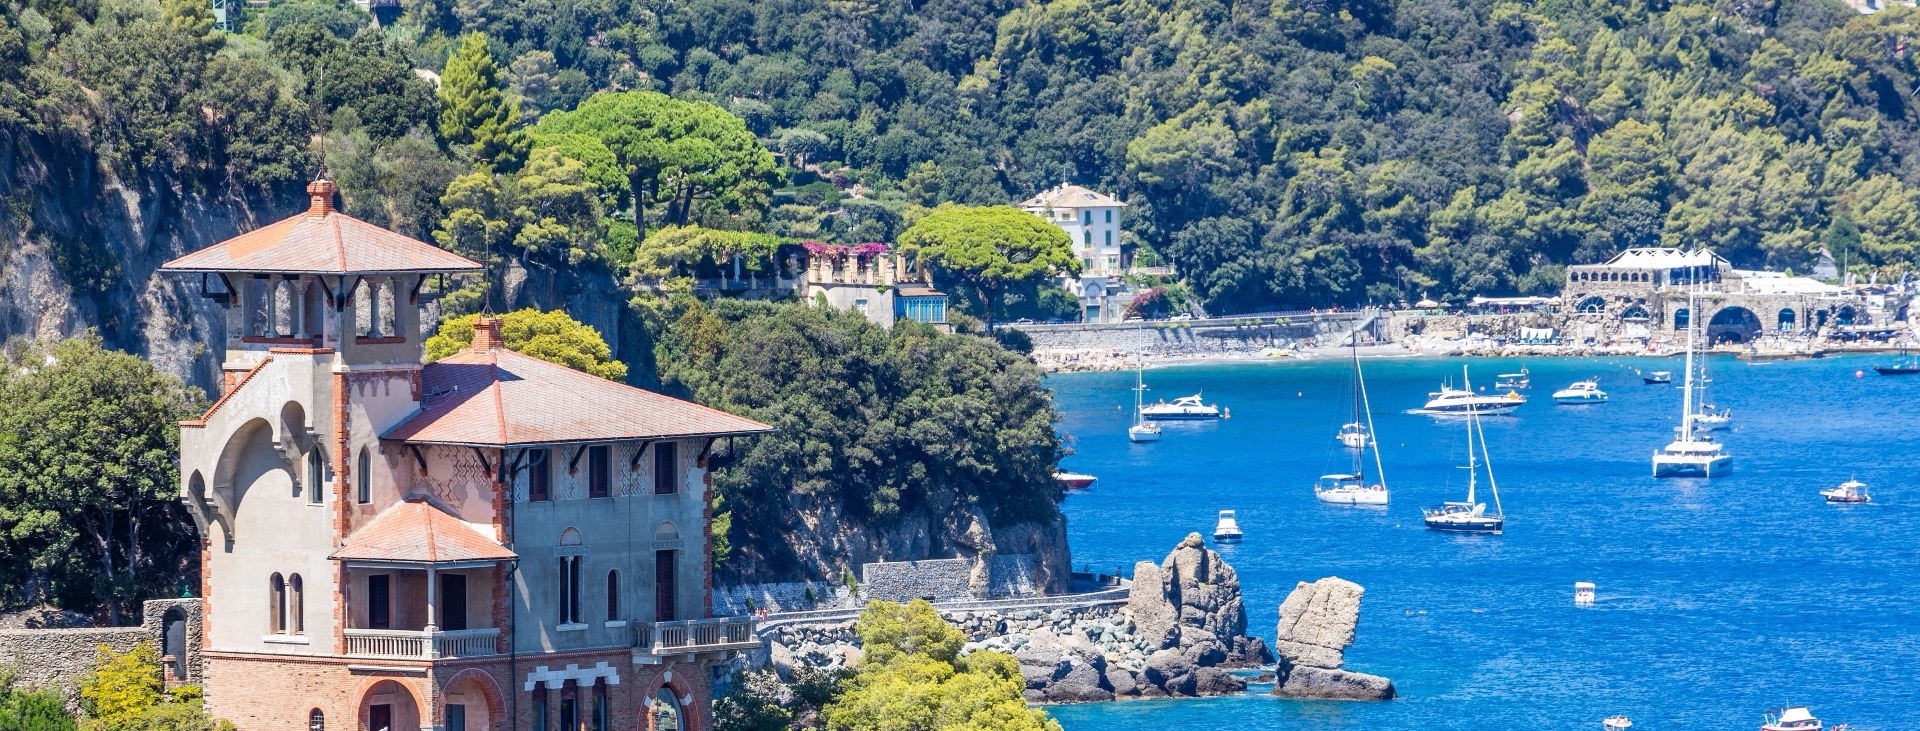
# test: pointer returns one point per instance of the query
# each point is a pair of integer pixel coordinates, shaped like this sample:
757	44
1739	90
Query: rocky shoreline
1180	633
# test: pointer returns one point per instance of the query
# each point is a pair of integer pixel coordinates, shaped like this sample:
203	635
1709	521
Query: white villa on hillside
1092	220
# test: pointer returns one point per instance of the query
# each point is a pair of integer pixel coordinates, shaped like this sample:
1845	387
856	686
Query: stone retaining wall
943	579
798	596
58	658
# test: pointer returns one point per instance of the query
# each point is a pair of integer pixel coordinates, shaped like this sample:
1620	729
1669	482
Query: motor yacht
1348	490
1449	400
1851	491
1226	530
1354	435
1581	392
1657	377
1073	480
1185	408
1792	718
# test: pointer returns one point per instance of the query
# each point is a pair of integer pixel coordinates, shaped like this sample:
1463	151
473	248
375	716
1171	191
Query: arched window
317	476
364	476
277	604
296	605
613	596
1681	317
316	721
1593	304
1786	318
666	712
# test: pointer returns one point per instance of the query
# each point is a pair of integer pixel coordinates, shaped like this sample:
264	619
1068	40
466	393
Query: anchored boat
1657	377
1851	491
1142	430
1581	392
1791	718
1226	529
1185	408
1352	489
1471	516
1453	401
1692	453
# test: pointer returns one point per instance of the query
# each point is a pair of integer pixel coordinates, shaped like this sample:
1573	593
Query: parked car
1181	317
1023	321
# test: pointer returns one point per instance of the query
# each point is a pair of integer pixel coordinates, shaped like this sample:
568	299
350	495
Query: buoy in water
1859	374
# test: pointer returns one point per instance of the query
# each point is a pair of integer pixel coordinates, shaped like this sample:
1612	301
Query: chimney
321	197
486	334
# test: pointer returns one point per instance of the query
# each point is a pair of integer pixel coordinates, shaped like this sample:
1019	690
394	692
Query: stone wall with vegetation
58	658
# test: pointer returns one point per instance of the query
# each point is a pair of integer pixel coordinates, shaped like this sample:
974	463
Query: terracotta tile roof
1071	196
322	241
491	396
417	532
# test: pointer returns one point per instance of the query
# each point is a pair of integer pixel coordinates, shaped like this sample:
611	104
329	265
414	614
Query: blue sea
1718	599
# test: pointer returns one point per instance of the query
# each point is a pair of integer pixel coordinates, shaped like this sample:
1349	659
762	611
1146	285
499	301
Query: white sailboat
1142	430
1352	489
1705	416
1692	453
1471	516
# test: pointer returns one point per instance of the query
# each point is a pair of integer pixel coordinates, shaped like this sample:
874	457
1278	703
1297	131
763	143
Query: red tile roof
322	241
495	397
417	532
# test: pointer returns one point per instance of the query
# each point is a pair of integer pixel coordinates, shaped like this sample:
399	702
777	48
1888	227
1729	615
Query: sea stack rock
1188	613
1316	627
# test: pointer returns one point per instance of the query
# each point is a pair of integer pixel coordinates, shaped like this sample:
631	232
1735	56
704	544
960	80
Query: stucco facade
486	542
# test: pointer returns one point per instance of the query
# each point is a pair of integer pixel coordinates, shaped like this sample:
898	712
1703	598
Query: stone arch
173	642
1733	324
1635	312
1681	318
1592	304
292	428
1820	318
1845	315
681	694
571	537
1784	321
464	683
248	456
405	701
666	531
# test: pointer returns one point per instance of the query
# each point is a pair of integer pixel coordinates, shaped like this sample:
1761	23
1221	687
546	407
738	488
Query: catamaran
1352	489
1142	430
1692	453
1471	516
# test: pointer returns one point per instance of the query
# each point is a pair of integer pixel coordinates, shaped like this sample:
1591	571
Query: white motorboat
1471	516
1792	718
1692	453
1353	435
1226	530
1851	491
1581	392
1185	408
1352	488
1511	381
1657	377
1453	401
1348	490
1616	723
1073	480
1142	430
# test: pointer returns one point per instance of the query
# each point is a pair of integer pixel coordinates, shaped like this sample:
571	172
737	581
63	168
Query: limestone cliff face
824	542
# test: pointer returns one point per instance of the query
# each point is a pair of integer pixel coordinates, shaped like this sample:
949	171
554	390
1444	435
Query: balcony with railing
694	636
392	644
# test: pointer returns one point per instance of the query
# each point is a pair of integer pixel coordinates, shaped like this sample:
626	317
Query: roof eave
566	442
267	270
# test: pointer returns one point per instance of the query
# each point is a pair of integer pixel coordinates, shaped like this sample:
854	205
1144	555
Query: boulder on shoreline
1316	626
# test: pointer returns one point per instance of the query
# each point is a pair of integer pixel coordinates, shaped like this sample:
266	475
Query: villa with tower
485	542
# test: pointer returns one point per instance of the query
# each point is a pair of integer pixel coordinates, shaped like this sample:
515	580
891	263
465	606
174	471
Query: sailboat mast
1686	399
1139	387
1473	415
1366	407
1360	456
1487	459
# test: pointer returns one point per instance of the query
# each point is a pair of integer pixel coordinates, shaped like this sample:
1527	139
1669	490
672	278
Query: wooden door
453	602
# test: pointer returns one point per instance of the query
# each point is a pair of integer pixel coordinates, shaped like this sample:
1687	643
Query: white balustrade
413	644
695	635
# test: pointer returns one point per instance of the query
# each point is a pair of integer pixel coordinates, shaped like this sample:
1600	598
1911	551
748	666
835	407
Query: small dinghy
1657	377
1617	723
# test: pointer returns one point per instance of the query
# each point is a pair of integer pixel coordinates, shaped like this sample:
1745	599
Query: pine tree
474	112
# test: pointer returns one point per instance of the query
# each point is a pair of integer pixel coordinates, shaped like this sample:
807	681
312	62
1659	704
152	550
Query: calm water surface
1717	599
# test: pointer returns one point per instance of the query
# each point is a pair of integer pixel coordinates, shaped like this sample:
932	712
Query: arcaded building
1643	293
488	541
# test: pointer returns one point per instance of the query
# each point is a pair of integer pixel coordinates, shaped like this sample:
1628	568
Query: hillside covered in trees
1285	153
